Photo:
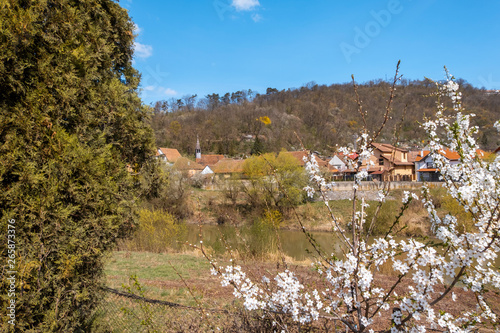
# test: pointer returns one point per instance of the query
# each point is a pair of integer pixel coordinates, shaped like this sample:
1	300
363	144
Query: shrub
274	181
158	231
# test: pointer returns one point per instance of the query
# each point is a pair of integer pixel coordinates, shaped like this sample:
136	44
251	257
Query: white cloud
170	92
245	4
142	51
159	91
256	17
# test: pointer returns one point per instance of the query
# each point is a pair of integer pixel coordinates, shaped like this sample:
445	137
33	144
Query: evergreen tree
70	122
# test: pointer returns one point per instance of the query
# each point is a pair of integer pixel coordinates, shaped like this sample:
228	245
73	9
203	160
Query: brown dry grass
196	280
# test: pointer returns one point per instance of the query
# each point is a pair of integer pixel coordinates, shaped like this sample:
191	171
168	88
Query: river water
294	243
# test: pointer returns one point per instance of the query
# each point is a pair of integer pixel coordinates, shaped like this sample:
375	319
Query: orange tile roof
209	159
421	157
427	170
184	163
331	168
228	165
171	154
483	154
450	154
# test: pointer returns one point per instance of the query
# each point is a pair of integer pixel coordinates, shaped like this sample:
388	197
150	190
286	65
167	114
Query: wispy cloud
128	3
256	17
169	92
159	91
245	4
142	51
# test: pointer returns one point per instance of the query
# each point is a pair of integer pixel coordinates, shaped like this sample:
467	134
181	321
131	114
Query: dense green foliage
322	116
70	122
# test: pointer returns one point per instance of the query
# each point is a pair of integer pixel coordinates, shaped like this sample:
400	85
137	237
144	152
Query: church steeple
197	151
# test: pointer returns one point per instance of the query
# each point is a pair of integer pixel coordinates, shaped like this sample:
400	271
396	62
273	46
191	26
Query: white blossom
464	256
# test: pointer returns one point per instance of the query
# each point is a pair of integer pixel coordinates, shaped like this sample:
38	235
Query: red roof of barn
209	159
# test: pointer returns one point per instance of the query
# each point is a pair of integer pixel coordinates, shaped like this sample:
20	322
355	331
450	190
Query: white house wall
337	163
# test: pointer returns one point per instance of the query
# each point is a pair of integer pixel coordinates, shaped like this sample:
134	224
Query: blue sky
217	46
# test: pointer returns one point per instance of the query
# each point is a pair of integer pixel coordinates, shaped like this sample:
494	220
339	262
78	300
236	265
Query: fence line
157	301
147	300
372	185
120	311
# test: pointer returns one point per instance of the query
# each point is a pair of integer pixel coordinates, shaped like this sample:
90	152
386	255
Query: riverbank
212	209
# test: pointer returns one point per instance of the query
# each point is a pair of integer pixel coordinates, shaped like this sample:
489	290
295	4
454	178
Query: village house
207	170
227	167
426	168
169	155
374	171
187	167
209	160
335	169
392	163
388	163
337	162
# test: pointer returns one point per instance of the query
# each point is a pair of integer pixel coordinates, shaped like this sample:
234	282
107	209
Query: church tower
197	150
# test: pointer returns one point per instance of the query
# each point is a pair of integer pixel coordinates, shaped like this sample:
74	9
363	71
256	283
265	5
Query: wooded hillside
322	116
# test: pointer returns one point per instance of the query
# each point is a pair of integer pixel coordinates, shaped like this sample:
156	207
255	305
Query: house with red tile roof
169	155
425	168
209	159
187	167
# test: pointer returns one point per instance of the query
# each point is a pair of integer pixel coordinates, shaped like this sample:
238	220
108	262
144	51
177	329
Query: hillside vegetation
322	116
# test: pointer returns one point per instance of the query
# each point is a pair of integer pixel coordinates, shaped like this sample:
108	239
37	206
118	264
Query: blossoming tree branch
426	272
